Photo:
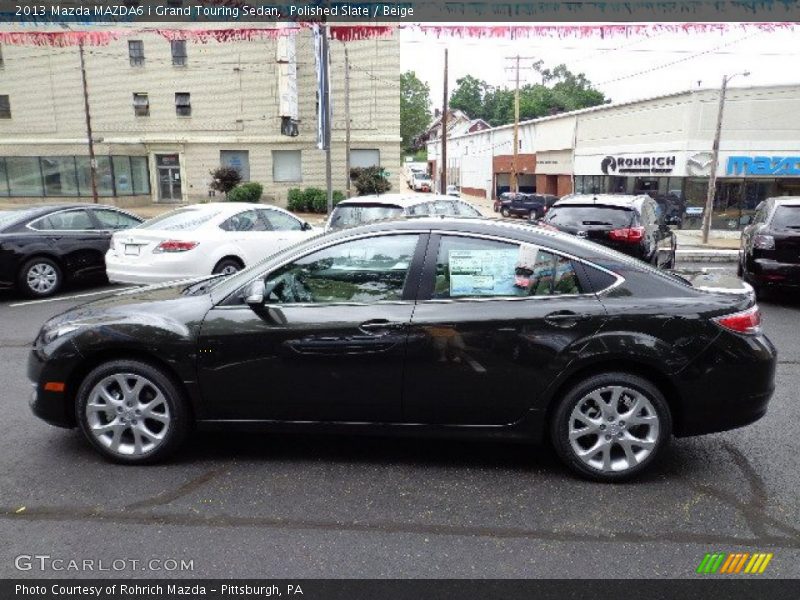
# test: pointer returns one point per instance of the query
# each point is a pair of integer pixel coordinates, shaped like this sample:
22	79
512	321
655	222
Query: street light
712	180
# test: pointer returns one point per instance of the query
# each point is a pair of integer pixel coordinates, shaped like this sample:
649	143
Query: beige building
164	114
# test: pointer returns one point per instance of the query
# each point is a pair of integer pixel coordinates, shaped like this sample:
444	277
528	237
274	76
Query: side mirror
306	226
255	293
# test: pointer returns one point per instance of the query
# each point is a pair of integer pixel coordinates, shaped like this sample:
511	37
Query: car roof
786	200
616	200
396	199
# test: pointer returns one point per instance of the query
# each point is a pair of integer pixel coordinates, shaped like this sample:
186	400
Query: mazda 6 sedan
459	327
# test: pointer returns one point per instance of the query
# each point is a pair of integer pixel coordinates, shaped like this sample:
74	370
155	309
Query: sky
624	68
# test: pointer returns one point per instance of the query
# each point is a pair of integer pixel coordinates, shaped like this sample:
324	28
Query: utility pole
443	182
92	159
325	105
712	178
347	117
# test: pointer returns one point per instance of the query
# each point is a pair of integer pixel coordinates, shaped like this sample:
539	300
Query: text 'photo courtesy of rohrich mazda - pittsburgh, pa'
305	303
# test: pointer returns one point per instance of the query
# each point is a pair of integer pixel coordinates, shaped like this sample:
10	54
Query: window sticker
483	272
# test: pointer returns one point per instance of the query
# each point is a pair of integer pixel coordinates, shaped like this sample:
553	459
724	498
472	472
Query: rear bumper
765	271
728	386
167	268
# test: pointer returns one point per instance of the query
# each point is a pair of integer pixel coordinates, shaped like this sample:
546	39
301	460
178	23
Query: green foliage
247	192
311	200
415	111
370	180
560	91
224	179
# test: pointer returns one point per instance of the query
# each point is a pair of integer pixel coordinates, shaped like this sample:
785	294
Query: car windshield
356	214
786	217
183	219
578	215
422	177
11	216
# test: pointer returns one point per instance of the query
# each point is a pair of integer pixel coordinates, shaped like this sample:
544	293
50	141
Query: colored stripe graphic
733	563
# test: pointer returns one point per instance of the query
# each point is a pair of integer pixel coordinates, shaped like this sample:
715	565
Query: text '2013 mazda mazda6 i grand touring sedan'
422	326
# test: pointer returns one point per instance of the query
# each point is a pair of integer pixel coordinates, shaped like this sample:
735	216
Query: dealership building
660	146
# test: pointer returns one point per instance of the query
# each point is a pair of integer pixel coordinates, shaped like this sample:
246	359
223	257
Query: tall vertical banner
323	65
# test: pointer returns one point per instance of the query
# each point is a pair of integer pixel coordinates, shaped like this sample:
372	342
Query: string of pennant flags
347	33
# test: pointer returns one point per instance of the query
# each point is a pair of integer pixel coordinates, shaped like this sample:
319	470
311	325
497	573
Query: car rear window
356	214
183	219
786	217
7	217
577	215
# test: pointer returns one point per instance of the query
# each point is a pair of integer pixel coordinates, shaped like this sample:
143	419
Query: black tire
227	263
533	215
494	208
559	425
174	432
42	265
504	212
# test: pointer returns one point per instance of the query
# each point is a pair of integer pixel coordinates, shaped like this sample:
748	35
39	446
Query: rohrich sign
764	166
639	164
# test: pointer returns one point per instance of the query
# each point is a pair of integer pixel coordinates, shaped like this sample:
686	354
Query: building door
169	178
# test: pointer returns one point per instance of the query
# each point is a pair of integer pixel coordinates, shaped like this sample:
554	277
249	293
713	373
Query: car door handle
565	318
378	326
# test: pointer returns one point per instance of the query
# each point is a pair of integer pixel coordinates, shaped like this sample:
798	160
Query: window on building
5	106
136	52
141	105
105	179
178	53
59	174
1	57
365	158
123	180
236	159
3	178
140	174
183	104
286	165
24	176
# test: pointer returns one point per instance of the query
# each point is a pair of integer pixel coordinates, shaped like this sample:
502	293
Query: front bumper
56	408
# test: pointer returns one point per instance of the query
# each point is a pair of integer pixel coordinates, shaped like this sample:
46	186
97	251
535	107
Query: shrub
370	180
247	192
311	199
224	179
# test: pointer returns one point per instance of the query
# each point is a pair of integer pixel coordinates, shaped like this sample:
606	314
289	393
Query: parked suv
770	250
629	224
532	206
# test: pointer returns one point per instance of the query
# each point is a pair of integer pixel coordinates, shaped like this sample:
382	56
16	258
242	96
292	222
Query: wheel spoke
629	454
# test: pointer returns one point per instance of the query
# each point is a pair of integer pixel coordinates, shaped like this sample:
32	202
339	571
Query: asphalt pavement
303	506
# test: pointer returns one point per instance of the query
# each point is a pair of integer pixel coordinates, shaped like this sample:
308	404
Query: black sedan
424	326
770	251
42	247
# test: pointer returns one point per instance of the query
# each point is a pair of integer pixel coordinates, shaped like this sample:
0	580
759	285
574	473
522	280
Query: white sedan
202	239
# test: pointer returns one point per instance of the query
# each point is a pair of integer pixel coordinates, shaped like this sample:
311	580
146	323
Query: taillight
174	246
747	321
764	242
627	234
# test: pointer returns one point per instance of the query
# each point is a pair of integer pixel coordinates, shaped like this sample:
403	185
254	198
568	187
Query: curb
703	255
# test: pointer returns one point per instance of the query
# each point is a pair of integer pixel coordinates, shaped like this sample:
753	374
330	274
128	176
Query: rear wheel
40	277
131	412
611	427
504	211
533	215
227	266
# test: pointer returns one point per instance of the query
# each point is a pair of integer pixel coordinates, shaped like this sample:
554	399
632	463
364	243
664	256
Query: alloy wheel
128	414
41	278
613	429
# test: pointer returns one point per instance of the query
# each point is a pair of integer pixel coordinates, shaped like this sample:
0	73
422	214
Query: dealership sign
638	164
776	166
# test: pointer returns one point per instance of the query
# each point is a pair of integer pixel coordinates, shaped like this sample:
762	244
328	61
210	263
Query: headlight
52	335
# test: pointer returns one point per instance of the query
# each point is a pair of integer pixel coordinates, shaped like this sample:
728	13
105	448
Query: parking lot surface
303	506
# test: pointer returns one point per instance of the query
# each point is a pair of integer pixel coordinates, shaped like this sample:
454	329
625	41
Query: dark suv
531	206
770	251
630	224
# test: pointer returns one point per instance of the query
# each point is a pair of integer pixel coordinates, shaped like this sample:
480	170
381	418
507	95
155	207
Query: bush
311	199
224	179
247	192
370	180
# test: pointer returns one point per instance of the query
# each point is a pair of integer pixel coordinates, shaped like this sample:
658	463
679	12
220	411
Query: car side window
475	268
465	210
420	209
364	271
247	220
65	220
279	221
114	219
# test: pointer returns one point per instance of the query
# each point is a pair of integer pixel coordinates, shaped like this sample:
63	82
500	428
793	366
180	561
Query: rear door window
579	215
478	268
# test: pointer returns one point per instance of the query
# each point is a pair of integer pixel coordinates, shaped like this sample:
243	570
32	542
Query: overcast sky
624	68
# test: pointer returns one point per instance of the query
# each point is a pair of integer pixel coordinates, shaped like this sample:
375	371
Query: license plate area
132	249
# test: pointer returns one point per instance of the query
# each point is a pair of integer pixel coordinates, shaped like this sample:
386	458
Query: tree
370	180
224	179
469	96
415	111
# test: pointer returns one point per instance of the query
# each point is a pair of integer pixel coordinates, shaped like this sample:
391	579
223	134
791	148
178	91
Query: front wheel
611	427
131	412
504	212
533	215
